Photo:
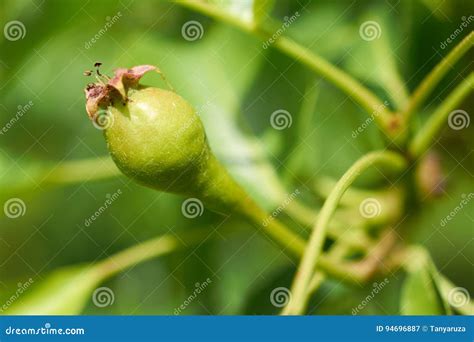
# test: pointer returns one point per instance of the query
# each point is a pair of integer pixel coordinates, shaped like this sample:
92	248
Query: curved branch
149	249
314	247
429	83
425	135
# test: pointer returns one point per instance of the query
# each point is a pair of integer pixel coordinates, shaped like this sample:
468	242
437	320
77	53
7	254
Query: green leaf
374	60
420	295
64	292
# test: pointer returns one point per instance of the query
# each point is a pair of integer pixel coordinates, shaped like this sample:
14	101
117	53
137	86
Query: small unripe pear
156	138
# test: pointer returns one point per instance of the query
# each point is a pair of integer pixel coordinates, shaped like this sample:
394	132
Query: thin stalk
314	247
315	283
301	213
427	133
292	242
354	196
369	101
165	244
339	78
338	229
432	79
276	230
147	250
50	174
81	170
370	264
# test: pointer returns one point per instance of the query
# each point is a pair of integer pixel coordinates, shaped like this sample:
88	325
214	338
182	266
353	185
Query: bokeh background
236	85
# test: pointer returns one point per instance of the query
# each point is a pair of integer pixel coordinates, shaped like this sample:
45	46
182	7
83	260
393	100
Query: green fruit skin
157	139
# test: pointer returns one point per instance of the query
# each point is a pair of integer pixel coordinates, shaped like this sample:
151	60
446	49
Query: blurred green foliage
238	85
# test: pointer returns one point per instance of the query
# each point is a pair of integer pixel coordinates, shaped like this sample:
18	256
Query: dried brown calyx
106	89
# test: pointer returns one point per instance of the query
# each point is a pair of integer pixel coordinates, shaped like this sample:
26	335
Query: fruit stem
314	247
423	138
315	283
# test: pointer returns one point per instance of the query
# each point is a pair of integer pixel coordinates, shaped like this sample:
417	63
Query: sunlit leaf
64	292
420	295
